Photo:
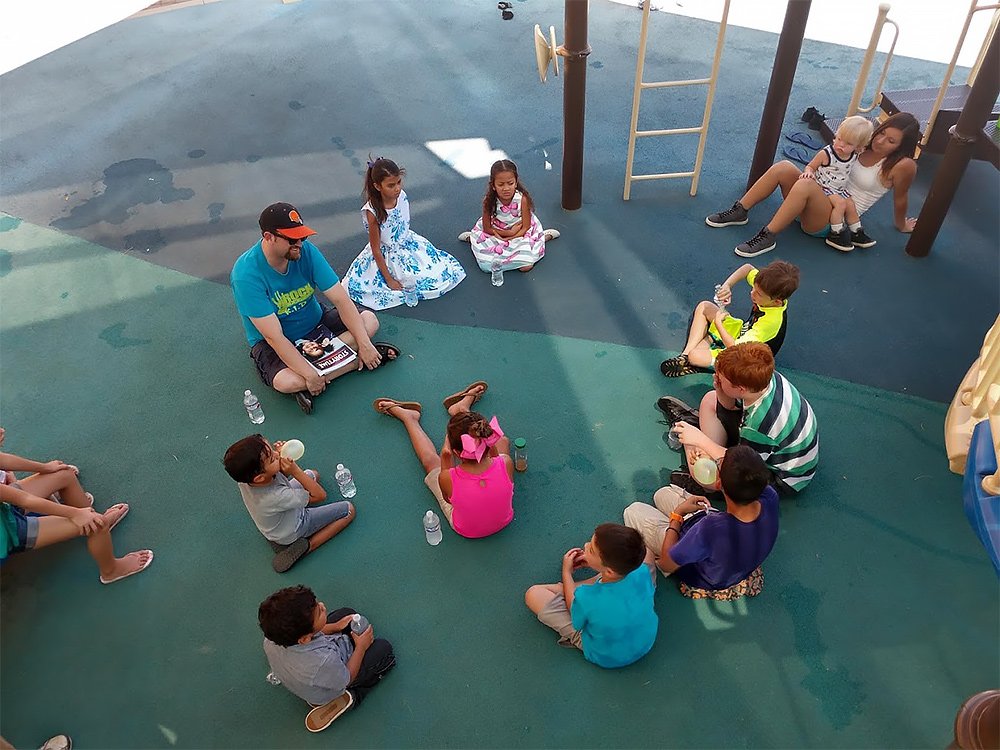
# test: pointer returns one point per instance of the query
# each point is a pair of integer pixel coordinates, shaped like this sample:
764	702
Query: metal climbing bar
866	64
641	85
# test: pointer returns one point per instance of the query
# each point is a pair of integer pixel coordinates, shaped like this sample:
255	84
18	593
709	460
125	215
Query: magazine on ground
324	351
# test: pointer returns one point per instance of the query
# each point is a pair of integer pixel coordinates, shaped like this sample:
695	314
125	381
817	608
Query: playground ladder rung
664	176
671	131
666	84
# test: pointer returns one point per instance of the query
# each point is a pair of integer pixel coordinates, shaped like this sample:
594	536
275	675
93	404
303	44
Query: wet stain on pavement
145	241
215	212
127	184
296	106
197	153
115	336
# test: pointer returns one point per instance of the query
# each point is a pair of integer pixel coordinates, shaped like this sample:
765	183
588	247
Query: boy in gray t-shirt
277	494
318	656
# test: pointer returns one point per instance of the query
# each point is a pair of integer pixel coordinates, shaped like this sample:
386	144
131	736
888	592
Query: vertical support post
866	63
576	51
785	60
964	138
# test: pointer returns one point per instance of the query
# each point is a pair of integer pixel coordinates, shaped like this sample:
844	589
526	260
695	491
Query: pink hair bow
474	448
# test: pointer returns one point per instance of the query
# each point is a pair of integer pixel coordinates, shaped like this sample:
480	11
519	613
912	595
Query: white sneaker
550	234
465	237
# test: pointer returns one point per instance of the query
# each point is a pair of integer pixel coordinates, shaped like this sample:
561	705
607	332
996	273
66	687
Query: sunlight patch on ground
470	157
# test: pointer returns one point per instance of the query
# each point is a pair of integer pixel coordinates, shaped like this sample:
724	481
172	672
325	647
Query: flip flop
385	349
138	570
119	519
806	140
414	405
796	153
456	397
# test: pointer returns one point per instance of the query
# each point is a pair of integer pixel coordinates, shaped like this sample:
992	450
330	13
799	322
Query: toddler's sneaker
731	217
860	239
760	243
465	237
323	716
840	240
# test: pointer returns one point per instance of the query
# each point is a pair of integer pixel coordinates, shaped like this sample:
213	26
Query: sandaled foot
114	515
389	352
550	234
525	269
475	390
132	563
398	409
465	237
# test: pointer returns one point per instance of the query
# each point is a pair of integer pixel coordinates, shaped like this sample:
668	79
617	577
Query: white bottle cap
246	392
339	467
356	617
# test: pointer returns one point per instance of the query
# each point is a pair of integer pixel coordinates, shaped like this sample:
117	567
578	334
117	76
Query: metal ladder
640	85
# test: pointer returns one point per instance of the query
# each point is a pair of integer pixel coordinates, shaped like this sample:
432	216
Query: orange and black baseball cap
284	218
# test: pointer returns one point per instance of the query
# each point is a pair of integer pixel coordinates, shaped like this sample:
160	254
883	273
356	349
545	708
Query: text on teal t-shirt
616	620
260	291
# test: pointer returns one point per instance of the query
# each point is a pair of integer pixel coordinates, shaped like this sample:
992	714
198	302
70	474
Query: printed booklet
324	351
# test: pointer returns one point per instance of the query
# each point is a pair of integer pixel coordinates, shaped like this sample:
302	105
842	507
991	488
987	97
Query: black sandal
388	351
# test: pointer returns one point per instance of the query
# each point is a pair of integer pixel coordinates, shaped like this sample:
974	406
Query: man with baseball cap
275	284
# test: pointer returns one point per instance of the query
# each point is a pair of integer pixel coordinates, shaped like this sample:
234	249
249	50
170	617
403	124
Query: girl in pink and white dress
508	231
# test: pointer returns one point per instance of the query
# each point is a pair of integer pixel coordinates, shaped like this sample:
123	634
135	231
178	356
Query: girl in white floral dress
395	253
508	230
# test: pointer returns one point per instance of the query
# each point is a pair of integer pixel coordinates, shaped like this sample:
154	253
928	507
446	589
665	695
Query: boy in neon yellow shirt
714	329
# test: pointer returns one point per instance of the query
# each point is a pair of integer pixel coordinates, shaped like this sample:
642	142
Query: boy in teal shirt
610	617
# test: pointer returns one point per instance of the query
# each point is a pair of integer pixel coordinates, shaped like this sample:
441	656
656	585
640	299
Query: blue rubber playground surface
135	163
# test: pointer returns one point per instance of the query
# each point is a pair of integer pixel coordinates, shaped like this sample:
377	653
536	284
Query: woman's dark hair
469	423
244	459
490	201
378	170
287	615
620	547
744	474
910	128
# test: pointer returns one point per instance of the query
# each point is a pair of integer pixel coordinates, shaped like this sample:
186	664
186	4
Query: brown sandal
456	397
413	405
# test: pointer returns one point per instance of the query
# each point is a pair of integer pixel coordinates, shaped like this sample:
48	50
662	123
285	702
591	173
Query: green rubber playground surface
135	163
875	621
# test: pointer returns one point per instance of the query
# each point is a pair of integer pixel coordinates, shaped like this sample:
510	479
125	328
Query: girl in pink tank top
472	478
480	488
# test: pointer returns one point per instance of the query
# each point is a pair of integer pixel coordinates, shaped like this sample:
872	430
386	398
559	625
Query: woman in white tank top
886	164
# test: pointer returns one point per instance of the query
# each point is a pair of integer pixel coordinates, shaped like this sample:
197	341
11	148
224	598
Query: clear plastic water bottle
496	272
359	623
345	481
673	442
432	528
715	299
273	679
252	405
410	291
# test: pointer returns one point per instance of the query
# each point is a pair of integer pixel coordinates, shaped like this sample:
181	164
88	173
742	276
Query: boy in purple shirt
707	548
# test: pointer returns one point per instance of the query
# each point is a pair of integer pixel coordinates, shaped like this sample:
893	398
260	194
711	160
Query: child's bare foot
114	514
525	269
130	564
401	410
472	395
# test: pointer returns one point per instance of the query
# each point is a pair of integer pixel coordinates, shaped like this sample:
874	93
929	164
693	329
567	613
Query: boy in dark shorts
316	655
713	328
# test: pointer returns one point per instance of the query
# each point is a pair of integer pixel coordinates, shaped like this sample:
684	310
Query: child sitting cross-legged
317	655
277	494
610	617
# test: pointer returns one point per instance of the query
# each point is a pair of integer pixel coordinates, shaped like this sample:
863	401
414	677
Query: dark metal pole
785	60
968	131
576	50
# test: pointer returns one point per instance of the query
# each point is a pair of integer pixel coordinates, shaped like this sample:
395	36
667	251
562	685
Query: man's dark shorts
268	362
